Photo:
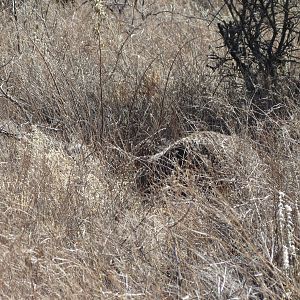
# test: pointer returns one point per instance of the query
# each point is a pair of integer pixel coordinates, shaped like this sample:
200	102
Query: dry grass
87	91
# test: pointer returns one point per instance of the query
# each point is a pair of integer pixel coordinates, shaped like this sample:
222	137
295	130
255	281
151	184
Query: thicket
87	88
261	40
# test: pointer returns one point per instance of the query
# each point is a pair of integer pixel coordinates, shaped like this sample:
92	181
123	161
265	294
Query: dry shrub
116	76
72	223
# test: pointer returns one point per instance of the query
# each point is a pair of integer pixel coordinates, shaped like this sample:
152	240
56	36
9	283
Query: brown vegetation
91	97
213	159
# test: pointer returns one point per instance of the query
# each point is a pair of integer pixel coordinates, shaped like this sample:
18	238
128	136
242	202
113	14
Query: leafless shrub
260	40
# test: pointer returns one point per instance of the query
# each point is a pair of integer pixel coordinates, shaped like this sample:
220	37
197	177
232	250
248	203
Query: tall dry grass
89	90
